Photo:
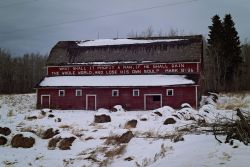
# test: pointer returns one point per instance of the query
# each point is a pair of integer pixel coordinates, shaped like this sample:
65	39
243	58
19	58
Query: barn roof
153	49
115	80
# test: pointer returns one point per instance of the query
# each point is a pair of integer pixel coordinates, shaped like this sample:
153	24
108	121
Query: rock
113	110
3	140
31	118
5	131
53	143
119	108
102	118
177	138
143	119
125	137
43	113
158	113
129	158
169	121
131	124
65	143
59	120
176	116
20	141
49	133
51	116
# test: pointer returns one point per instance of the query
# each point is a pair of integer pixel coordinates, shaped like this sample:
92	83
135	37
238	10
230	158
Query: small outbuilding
137	73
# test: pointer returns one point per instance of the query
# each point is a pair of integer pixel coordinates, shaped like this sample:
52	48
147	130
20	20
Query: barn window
136	92
170	92
115	92
78	92
156	98
61	93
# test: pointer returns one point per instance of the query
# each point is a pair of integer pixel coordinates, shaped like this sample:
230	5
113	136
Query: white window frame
78	90
59	94
167	92
113	93
134	92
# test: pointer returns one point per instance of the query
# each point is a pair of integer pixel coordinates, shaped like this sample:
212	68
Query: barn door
45	101
90	102
152	101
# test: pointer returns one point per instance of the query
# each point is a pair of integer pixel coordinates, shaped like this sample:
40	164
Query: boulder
177	138
51	116
113	110
3	140
125	137
176	116
158	113
49	133
31	118
131	124
65	143
58	120
5	131
169	121
43	113
53	143
20	141
102	118
143	119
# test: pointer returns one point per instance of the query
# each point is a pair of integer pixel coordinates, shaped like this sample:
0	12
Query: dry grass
89	138
65	126
233	105
111	140
148	161
235	100
116	151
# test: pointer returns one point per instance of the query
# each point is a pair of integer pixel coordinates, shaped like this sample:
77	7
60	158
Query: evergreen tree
224	52
215	50
232	49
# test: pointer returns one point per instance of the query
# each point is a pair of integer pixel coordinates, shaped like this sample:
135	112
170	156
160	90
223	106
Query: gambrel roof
152	49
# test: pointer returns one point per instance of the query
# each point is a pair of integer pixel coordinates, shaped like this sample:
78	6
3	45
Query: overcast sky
37	25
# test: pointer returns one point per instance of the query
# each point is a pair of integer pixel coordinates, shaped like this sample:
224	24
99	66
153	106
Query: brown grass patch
89	138
65	126
116	151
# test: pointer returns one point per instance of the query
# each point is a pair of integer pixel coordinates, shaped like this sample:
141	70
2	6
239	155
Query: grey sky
36	25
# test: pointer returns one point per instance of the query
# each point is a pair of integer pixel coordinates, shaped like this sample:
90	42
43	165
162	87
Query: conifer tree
232	49
224	52
214	51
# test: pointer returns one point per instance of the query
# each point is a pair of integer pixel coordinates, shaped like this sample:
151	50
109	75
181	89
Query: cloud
36	25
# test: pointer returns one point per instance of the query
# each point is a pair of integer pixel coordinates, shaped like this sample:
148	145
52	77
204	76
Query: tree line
20	74
226	60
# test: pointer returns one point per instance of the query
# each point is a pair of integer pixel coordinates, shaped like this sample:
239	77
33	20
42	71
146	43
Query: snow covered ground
154	144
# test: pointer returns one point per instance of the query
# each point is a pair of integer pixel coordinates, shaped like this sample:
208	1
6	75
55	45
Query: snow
116	80
109	62
104	42
147	148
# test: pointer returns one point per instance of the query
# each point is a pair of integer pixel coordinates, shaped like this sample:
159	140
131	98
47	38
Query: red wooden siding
103	97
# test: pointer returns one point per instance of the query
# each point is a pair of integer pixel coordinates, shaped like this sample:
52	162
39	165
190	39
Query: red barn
137	73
